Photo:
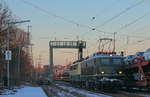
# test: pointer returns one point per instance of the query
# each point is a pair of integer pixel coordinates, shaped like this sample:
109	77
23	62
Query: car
140	53
146	55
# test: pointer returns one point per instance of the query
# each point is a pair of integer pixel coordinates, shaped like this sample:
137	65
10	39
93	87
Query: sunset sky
76	19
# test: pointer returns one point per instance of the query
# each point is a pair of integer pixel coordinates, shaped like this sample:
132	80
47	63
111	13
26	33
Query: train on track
99	71
109	71
137	70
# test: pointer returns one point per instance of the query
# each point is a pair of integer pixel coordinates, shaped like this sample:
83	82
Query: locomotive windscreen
117	61
105	61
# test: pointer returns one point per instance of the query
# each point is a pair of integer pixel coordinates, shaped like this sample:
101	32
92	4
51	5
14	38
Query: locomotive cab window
105	61
116	61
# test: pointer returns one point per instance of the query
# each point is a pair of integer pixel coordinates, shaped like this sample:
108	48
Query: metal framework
65	44
105	45
142	69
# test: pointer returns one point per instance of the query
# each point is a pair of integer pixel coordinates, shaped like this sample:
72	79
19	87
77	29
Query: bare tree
4	17
18	37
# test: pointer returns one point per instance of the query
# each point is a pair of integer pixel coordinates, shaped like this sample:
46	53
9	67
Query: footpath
26	91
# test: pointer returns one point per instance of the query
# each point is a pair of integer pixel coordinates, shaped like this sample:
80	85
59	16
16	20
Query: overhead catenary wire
131	23
120	13
97	31
116	16
78	24
135	43
143	40
134	21
63	18
103	10
54	15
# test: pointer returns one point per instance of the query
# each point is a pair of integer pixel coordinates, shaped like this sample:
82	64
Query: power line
91	28
103	10
122	12
62	18
141	29
136	42
134	21
114	17
97	31
144	40
54	15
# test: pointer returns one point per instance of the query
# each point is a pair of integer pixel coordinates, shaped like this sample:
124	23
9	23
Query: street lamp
19	55
8	52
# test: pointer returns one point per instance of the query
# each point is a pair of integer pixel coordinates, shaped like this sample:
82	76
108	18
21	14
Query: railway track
120	93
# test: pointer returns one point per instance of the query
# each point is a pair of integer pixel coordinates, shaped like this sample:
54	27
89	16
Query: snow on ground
59	93
82	92
27	91
137	94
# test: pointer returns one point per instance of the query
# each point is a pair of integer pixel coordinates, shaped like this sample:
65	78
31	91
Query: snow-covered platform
27	91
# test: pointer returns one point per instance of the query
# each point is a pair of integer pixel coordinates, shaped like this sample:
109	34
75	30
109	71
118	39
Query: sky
87	20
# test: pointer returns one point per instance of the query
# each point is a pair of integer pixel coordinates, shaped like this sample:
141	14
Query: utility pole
39	66
31	54
19	58
8	59
8	52
28	37
77	37
127	39
28	28
114	41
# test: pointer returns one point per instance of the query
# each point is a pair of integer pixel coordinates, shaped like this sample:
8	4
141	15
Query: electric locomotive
101	70
75	72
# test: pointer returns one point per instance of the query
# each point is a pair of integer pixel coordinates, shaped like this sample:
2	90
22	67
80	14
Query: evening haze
86	20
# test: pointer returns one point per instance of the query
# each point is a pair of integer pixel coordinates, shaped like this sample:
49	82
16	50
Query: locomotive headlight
102	72
120	72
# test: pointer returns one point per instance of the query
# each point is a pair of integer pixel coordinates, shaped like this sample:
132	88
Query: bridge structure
65	44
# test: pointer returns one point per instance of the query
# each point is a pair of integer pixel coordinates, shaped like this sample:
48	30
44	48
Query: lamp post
8	51
19	57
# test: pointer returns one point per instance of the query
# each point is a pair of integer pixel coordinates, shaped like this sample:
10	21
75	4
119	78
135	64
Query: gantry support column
51	63
80	50
64	44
